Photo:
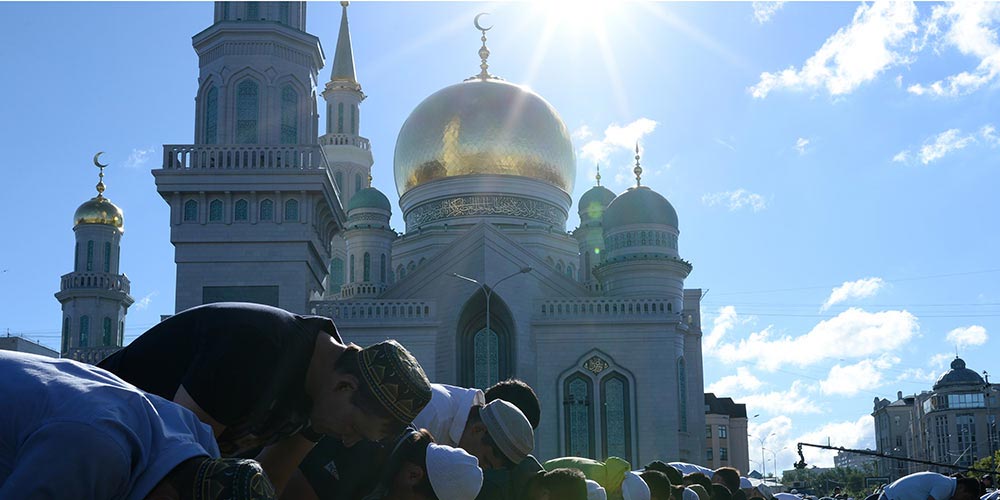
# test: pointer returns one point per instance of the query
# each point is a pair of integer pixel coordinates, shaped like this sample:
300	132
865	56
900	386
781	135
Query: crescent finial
478	26
97	161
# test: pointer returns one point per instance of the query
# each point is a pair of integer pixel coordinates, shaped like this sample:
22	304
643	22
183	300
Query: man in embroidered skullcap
77	431
263	377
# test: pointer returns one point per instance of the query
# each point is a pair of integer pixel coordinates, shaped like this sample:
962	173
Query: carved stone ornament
472	206
596	365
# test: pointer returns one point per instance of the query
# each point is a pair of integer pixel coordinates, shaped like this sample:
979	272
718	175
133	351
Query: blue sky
834	165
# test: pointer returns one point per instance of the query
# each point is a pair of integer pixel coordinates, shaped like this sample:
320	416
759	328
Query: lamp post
763	472
488	291
774	460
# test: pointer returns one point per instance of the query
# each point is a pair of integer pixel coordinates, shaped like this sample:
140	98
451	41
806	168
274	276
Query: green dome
595	201
369	198
639	205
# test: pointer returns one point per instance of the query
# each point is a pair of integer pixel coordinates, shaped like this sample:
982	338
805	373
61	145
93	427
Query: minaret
368	244
253	206
590	234
349	154
95	296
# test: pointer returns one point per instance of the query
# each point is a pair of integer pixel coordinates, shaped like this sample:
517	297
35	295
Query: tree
987	463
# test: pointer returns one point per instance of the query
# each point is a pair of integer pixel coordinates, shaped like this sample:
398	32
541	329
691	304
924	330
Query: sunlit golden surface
99	210
484	127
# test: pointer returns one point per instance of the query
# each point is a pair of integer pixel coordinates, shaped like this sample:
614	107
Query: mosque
483	283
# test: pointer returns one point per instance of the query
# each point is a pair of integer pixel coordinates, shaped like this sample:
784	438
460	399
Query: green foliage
821	482
988	463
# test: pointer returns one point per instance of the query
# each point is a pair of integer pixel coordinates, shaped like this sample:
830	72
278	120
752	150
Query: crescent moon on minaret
478	26
97	160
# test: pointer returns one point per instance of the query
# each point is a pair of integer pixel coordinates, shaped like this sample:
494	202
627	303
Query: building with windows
726	439
95	296
954	423
484	282
851	460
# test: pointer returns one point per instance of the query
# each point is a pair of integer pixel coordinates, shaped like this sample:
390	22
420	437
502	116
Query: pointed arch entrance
485	357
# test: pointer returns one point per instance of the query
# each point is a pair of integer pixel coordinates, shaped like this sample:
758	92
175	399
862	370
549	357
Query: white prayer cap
595	491
509	429
634	488
453	473
690	494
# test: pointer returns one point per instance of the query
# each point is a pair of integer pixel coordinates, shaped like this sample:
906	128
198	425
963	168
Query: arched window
367	267
292	210
336	274
225	10
211	111
247	93
266	210
84	331
121	333
106	337
190	211
616	419
338	177
329	118
65	335
76	257
354	118
486	358
215	211
289	112
682	394
340	118
252	11
90	255
241	211
381	269
559	266
357	182
579	416
107	256
400	272
351	258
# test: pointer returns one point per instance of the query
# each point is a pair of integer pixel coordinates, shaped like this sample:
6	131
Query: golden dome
484	126
99	210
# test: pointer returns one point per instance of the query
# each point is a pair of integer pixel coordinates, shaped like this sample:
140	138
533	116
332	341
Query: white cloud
732	384
989	134
944	143
860	289
139	157
902	157
764	11
618	138
862	376
582	133
967	336
917	375
858	434
854	55
852	334
725	144
790	402
735	200
800	145
971	31
722	323
144	302
940	360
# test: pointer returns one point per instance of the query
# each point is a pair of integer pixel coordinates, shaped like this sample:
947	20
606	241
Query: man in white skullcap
419	469
634	488
595	491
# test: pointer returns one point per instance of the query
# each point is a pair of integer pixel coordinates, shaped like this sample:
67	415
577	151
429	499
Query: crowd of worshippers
236	401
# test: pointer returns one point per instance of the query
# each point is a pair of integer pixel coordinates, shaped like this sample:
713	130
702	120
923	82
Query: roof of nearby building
958	375
724	406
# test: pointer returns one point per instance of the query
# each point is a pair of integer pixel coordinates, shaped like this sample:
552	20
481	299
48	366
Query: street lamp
763	464
774	460
488	291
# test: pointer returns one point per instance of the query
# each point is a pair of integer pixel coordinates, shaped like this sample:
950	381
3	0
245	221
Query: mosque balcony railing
361	290
604	307
345	140
242	156
375	309
96	281
91	355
